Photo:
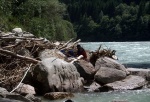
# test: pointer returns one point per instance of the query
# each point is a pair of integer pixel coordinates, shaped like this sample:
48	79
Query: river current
131	54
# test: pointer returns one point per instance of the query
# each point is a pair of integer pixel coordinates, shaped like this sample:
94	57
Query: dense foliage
40	17
110	20
92	20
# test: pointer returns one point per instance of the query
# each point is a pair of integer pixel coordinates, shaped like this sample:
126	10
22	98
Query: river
131	54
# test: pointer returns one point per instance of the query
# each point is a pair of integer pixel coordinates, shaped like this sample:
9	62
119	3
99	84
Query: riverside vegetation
88	20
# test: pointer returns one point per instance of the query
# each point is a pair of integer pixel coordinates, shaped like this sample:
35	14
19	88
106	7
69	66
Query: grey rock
108	62
55	74
108	75
145	73
8	100
86	69
33	98
131	82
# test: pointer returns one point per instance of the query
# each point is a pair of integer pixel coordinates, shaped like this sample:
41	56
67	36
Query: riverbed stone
108	75
131	82
145	73
94	87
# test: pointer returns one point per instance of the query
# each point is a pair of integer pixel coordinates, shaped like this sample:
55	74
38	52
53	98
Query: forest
43	18
88	20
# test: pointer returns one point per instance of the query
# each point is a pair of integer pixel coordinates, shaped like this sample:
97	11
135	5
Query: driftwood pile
19	52
102	53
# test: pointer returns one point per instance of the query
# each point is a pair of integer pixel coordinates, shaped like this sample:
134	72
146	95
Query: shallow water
129	96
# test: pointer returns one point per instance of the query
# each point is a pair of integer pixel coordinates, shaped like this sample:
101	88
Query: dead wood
19	56
72	45
23	38
21	79
65	45
101	53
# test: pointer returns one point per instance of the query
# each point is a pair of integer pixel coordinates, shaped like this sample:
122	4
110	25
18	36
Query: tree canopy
41	17
110	20
89	20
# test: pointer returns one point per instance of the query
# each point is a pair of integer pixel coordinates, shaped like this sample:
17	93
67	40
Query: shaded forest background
89	20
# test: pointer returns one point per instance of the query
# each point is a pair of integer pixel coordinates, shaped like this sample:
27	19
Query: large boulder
145	73
108	75
56	75
86	69
108	62
131	82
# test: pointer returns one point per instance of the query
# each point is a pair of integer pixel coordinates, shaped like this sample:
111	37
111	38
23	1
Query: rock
8	100
25	89
33	98
145	73
108	62
86	69
17	97
3	91
17	31
56	75
131	82
94	87
47	53
58	95
108	75
13	97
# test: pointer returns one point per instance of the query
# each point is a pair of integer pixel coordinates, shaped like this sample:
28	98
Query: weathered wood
65	45
72	44
23	38
19	56
6	35
21	79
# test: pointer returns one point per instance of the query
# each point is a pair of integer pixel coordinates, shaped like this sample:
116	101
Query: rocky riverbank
33	66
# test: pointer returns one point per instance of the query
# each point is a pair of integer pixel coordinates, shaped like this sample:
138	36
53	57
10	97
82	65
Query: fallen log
65	45
23	38
73	44
19	56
